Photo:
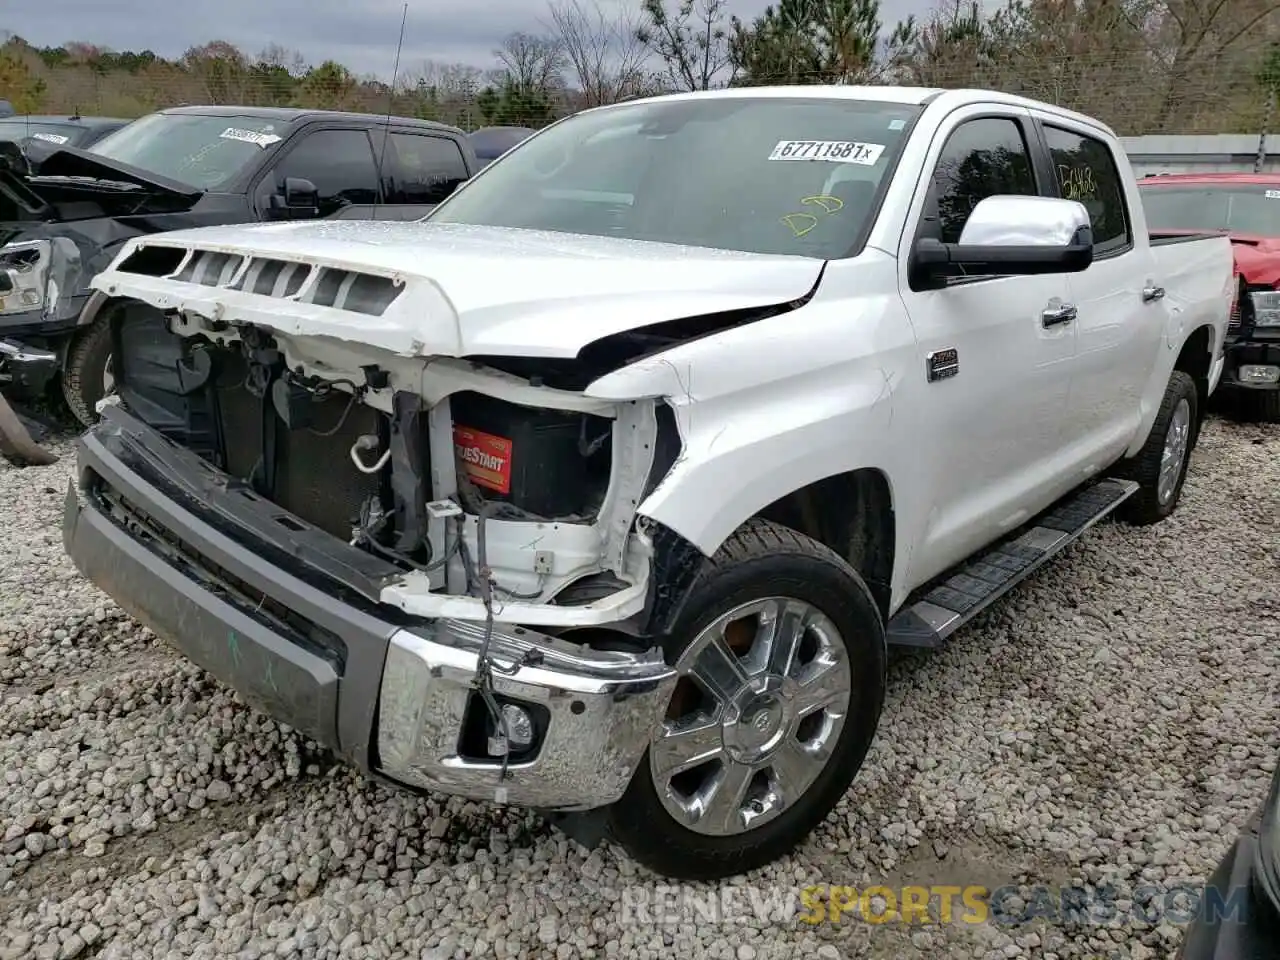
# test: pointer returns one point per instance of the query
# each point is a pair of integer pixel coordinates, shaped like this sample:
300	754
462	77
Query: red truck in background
1245	206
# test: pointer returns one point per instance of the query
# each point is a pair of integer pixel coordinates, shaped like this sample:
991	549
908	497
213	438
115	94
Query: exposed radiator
315	478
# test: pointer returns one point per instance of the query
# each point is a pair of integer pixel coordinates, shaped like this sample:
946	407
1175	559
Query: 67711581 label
833	151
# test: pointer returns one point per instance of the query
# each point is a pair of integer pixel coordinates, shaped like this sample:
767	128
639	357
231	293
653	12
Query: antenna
391	105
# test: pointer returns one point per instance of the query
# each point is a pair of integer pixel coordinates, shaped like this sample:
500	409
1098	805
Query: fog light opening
1259	373
519	734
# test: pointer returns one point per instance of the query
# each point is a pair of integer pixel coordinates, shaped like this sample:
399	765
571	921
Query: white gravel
1115	721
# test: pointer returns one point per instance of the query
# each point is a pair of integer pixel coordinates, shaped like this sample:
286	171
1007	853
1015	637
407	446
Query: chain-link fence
1134	94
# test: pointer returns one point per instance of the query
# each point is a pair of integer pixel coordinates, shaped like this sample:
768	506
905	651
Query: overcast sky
359	33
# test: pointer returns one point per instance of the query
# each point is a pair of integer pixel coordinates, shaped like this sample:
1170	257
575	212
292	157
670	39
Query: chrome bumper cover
601	707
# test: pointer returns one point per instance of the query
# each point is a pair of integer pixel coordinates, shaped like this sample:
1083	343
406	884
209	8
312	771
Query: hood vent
340	289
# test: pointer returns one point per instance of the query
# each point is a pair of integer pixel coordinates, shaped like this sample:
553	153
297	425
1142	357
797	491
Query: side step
951	602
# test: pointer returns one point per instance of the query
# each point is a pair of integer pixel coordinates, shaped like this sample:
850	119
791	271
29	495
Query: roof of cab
908	96
302	114
63	118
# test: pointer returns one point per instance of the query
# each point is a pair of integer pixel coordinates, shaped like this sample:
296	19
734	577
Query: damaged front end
478	527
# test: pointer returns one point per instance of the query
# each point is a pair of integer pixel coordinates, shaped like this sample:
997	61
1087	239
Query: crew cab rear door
419	169
1121	313
991	431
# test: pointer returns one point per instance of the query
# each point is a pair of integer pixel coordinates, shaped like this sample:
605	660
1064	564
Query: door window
982	158
339	162
422	169
1086	171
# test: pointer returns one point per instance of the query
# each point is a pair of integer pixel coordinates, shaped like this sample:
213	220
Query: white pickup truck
604	489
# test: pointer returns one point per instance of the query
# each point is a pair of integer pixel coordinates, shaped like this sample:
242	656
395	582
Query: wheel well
1195	360
852	513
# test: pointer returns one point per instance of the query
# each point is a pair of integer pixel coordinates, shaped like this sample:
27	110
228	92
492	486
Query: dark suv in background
65	211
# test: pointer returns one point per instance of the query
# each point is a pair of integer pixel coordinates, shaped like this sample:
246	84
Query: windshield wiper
110	186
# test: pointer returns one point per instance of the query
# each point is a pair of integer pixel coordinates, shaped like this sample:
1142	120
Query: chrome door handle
1056	316
1150	294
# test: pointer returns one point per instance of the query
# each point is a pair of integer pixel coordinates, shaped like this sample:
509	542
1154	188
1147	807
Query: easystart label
486	458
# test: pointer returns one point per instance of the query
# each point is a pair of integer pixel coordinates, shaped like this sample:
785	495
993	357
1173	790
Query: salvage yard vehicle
490	143
603	490
63	220
59	131
1239	913
1246	207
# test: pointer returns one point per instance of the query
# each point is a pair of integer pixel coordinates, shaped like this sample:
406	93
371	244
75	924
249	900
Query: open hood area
424	289
65	183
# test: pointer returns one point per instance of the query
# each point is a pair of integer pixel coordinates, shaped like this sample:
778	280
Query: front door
990	435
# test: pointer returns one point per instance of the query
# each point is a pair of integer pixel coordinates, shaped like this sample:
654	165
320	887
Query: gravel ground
1113	721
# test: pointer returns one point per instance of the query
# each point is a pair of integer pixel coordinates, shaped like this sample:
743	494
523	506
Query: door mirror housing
1012	236
298	199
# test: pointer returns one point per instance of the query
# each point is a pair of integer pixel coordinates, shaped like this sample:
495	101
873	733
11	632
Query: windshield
1238	208
200	151
61	134
784	175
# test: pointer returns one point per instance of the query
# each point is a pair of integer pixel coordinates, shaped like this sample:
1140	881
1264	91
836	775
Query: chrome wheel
762	698
108	378
1175	451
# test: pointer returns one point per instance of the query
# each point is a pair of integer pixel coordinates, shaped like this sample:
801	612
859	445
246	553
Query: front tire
781	654
1160	468
86	373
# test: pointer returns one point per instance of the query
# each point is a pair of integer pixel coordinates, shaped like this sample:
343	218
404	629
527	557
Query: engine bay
467	478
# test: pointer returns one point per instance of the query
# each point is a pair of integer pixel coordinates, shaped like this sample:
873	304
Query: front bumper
1250	352
262	606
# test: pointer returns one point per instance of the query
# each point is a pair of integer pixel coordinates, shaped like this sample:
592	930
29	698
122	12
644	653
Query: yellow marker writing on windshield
790	219
828	203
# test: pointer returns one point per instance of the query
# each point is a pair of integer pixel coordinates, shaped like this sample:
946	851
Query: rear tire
1160	468
781	652
85	370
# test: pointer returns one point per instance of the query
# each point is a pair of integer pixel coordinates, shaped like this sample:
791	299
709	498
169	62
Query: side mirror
300	193
1013	235
299	199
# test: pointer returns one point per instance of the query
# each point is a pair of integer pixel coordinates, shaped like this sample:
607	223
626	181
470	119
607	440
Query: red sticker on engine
485	458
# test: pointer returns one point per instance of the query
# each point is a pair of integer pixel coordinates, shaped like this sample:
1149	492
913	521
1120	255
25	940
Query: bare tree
282	58
605	54
532	64
693	43
447	80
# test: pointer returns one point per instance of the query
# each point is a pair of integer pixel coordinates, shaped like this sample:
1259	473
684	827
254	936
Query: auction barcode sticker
50	137
835	151
1273	194
249	136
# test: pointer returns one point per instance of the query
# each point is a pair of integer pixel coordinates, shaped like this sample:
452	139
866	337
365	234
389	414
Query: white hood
469	290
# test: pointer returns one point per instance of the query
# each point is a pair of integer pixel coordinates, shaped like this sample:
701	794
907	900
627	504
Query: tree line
1143	66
